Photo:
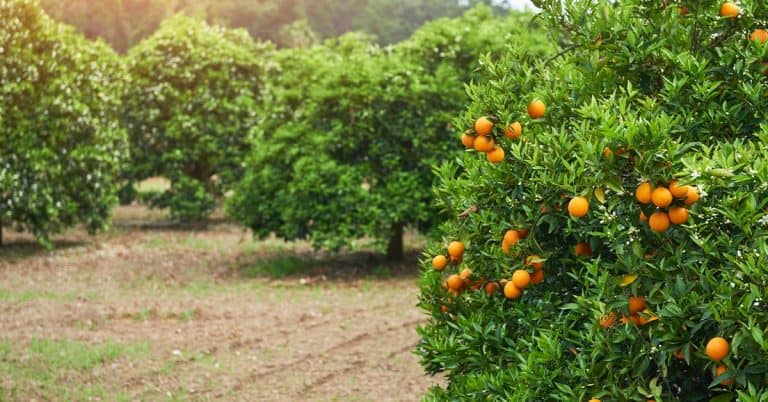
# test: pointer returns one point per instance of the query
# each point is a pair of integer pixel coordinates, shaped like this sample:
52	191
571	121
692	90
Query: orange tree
190	107
352	131
60	139
617	248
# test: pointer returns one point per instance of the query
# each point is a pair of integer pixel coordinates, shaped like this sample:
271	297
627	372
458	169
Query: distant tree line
123	23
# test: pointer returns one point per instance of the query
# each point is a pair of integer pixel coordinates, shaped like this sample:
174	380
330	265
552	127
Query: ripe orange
729	10
578	207
582	249
483	126
678	191
496	155
455	282
439	262
594	400
511	237
491	288
607	152
484	143
444	308
521	278
659	222
720	370
643	193
607	320
661	197
529	261
514	130
718	348
511	291
636	304
523	233
465	273
692	197
537	109
537	277
679	355
468	140
456	249
646	317
760	35
643	216
678	215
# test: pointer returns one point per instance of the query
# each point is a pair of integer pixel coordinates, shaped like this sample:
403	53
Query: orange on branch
483	126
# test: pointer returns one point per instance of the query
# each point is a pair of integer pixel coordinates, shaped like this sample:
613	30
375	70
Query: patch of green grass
17	297
187	315
55	369
277	267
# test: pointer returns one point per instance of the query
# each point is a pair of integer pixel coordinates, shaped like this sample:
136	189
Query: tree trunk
395	246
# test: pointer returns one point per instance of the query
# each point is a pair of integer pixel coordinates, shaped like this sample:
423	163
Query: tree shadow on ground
317	267
21	248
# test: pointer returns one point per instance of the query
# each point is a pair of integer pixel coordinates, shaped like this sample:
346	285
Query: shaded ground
167	314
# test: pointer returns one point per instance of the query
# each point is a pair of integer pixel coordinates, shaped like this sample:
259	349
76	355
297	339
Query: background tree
123	23
60	138
190	109
353	133
624	233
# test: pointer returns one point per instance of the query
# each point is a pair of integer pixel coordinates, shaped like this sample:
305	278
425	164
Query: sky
521	4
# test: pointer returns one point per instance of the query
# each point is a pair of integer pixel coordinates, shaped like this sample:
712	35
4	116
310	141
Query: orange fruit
444	308
483	126
692	197
720	370
607	320
643	193
521	279
537	277
523	233
594	400
760	35
646	317
465	273
643	216
678	191
683	11
718	348
607	152
510	239
456	249
537	109
468	140
455	282
511	291
636	304
729	10
514	130
578	207
529	261
484	143
679	355
582	249
661	197
678	215
496	155
491	288
439	262
659	222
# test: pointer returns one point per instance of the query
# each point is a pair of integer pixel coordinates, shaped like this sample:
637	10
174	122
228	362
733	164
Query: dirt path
194	315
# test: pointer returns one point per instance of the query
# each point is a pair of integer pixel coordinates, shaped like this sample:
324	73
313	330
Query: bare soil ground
151	312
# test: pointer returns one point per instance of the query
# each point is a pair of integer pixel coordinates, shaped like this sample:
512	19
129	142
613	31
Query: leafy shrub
644	91
60	138
192	104
352	133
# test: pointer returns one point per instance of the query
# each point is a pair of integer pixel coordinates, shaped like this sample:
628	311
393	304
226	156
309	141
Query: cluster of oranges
639	315
664	198
481	137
